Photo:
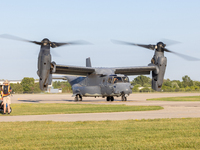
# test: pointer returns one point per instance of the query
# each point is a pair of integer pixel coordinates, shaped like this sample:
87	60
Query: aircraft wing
73	70
140	70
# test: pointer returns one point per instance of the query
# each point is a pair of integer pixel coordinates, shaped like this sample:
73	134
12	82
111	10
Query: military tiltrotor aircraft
99	82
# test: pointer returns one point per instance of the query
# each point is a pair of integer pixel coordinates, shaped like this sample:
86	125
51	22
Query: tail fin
88	62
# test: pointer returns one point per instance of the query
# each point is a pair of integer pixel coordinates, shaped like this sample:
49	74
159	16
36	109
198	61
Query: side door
106	86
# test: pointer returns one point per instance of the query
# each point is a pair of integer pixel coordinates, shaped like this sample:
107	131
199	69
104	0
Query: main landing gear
78	98
110	98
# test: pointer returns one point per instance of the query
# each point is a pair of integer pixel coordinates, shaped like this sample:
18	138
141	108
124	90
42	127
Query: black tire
80	98
112	98
125	99
76	98
108	98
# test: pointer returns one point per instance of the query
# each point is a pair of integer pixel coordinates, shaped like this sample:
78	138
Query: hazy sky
98	21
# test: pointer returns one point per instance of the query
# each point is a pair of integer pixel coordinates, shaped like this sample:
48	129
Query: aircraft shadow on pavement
65	100
38	101
32	101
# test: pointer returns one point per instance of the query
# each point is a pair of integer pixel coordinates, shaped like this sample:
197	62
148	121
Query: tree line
28	85
186	85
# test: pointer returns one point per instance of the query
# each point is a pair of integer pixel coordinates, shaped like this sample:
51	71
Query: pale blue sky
97	22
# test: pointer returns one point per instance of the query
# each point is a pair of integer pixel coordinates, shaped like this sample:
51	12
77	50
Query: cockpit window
109	79
125	79
117	80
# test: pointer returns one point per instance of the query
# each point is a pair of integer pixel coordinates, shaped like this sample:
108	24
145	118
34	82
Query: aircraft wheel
112	98
80	98
108	98
76	98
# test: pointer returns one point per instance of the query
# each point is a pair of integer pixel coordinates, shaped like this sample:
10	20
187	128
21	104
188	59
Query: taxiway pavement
171	109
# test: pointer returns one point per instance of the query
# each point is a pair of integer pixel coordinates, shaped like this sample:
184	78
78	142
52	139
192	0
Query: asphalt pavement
171	109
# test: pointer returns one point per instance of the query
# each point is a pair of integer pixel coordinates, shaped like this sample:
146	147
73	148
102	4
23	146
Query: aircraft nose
123	87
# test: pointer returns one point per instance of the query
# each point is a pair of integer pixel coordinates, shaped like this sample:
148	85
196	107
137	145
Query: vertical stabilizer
88	62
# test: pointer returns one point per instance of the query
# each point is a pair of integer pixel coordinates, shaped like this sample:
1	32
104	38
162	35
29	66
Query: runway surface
171	109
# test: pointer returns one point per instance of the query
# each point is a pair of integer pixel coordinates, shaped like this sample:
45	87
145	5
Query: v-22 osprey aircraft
90	81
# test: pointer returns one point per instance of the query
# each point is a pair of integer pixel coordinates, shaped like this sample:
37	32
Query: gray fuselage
100	86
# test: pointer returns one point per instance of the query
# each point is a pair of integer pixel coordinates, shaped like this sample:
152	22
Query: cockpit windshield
117	80
125	79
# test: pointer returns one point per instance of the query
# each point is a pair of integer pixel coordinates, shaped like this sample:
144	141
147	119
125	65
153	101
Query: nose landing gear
78	97
124	98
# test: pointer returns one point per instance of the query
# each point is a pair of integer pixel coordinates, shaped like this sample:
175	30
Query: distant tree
194	88
188	89
167	82
36	88
196	83
56	84
28	84
136	88
16	88
145	89
182	89
141	80
65	86
174	85
187	81
166	88
147	85
179	83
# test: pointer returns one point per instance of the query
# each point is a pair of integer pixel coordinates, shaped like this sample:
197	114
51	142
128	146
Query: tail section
71	79
88	62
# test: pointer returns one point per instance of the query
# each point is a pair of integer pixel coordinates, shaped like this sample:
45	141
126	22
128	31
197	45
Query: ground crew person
6	89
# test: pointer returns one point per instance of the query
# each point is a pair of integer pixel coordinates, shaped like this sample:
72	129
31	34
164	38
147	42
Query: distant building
55	91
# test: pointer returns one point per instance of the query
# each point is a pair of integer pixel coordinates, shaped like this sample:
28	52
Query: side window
115	80
109	79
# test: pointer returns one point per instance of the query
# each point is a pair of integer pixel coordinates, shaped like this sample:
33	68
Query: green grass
112	135
60	108
186	98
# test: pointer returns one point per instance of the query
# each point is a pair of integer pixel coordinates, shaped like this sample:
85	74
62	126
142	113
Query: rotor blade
151	47
11	37
166	50
56	44
186	57
170	42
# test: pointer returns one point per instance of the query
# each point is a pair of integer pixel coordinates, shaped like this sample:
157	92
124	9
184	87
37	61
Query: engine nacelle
158	75
45	72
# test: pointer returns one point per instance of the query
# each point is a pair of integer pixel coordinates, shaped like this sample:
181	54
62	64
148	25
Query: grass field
116	135
60	108
186	98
